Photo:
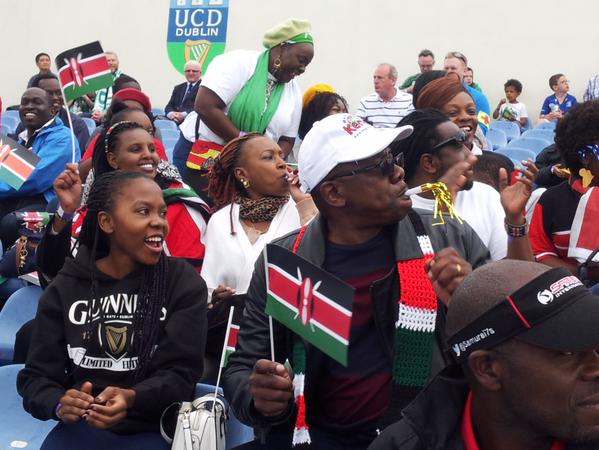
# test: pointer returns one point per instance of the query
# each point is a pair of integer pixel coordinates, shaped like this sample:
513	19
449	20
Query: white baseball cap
341	138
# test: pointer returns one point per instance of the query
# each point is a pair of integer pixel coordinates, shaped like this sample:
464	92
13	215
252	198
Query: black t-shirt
359	393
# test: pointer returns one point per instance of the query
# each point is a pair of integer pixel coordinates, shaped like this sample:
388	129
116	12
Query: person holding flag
403	270
45	136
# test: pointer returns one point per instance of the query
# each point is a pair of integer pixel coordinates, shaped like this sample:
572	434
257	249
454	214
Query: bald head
486	287
193	71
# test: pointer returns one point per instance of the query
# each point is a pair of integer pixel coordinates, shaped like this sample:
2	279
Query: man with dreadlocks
399	265
120	333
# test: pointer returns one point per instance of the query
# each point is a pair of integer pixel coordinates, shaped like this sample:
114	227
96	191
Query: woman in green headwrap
249	91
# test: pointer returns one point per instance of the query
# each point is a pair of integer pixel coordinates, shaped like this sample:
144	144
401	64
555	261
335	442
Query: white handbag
201	424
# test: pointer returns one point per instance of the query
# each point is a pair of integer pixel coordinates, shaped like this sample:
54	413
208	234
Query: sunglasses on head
458	139
386	165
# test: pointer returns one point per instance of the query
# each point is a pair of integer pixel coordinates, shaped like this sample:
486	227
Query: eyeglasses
194	71
386	165
459	139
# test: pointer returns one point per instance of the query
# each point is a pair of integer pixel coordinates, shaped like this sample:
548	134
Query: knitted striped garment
414	331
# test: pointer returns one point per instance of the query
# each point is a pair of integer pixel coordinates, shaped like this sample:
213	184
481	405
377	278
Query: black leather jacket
253	338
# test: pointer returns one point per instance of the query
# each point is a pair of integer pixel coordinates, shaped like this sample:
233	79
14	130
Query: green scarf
248	112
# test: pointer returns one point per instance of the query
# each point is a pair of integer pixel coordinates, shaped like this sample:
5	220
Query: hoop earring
276	65
245	183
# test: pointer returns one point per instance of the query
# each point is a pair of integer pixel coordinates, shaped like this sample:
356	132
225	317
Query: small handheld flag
309	301
235	315
16	162
83	69
229	344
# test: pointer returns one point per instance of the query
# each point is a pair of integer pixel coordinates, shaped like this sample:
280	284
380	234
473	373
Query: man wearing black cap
526	337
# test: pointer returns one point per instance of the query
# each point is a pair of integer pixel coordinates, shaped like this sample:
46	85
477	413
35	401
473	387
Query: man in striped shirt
385	107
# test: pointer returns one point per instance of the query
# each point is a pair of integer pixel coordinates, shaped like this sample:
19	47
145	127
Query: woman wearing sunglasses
437	151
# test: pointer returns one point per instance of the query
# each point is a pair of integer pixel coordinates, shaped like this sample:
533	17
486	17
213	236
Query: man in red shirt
525	336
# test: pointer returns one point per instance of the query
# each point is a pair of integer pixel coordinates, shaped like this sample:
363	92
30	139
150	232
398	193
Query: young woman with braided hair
125	145
120	333
258	199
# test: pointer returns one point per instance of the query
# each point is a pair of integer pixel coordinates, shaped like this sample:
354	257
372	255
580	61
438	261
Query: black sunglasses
459	139
386	165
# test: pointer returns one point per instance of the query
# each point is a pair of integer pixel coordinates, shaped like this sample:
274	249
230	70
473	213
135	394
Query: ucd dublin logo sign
197	30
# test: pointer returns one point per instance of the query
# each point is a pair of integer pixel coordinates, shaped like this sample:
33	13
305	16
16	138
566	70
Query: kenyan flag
83	69
16	162
309	301
235	315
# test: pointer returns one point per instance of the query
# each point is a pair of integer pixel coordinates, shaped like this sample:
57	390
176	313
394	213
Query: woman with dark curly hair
577	138
321	105
258	200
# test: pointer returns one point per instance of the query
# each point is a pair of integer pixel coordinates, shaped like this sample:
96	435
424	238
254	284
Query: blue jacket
53	146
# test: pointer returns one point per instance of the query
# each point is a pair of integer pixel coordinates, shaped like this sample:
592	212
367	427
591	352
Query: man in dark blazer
184	94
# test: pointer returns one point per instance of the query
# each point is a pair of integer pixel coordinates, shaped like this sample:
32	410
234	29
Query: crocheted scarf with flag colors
414	332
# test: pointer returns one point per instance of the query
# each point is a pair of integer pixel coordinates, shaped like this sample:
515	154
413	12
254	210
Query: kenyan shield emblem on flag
83	69
309	301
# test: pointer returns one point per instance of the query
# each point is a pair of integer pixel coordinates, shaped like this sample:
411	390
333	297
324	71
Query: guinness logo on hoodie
116	337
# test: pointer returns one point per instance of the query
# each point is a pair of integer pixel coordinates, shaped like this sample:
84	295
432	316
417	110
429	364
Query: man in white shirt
385	107
437	145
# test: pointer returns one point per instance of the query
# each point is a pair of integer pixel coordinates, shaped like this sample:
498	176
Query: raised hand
68	188
515	197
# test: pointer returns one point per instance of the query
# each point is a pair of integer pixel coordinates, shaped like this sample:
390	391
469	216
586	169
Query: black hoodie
58	342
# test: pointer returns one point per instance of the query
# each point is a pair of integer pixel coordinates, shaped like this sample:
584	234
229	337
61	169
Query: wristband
56	409
516	231
64	216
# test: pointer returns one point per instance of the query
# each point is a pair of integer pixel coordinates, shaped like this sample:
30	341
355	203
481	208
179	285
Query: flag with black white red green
83	69
309	301
235	315
16	162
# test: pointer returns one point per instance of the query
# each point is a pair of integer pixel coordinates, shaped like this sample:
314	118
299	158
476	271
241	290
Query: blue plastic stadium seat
158	111
540	133
18	428
168	133
497	137
530	143
546	125
4	129
237	433
11	112
91	125
19	308
166	125
517	154
10	122
511	129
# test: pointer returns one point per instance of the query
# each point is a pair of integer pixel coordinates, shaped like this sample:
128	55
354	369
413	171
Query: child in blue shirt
556	105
